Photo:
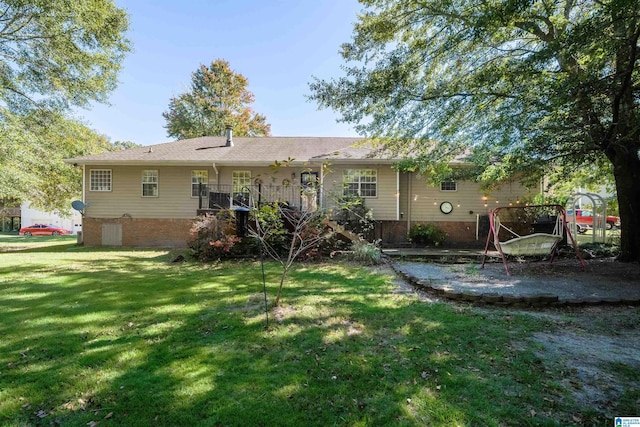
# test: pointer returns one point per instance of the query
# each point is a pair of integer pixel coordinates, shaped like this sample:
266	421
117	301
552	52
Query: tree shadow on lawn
15	242
154	343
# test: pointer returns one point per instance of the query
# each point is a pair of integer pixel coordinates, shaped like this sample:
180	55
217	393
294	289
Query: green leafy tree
31	154
531	85
58	53
218	97
54	54
123	145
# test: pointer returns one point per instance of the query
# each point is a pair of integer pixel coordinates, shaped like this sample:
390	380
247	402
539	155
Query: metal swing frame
529	244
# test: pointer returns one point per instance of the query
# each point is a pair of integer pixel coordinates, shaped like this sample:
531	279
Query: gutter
201	162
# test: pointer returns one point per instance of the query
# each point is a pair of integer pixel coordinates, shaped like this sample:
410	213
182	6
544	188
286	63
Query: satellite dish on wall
79	206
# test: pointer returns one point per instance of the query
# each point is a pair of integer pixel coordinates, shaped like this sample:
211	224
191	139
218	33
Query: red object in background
585	217
43	230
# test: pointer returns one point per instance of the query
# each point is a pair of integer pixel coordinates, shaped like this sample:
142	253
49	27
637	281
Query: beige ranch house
149	196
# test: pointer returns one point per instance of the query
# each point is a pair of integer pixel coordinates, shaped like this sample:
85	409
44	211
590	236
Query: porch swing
535	244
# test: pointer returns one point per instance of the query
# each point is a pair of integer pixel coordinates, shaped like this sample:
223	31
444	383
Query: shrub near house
427	234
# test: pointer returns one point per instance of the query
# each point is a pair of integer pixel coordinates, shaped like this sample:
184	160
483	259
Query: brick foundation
391	232
462	234
142	232
459	234
174	232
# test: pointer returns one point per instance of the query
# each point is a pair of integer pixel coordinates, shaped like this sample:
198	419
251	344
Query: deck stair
340	230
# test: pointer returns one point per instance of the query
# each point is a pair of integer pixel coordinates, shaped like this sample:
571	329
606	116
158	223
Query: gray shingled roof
249	151
256	150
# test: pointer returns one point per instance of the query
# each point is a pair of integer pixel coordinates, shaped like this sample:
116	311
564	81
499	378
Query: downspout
84	200
409	197
321	186
215	169
397	195
83	184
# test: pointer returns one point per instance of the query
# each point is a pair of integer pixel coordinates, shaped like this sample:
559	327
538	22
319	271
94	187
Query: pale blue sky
277	44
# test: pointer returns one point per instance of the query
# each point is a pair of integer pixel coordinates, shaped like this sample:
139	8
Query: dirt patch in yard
596	351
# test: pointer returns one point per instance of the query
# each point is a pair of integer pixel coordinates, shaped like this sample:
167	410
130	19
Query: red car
43	230
584	220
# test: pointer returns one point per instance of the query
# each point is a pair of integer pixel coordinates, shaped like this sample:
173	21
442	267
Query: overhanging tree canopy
532	85
54	54
57	53
32	151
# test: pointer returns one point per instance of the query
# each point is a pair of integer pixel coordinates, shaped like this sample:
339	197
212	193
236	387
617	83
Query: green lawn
611	236
129	338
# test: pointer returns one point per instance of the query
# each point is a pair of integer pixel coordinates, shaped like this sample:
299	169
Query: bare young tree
301	230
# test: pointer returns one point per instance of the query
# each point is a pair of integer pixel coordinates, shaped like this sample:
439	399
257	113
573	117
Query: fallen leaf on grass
109	415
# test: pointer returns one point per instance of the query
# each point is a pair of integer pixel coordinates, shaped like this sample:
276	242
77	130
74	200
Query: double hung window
150	183
361	182
241	182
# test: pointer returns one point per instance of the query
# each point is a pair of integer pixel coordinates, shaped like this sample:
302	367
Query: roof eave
137	162
347	160
92	162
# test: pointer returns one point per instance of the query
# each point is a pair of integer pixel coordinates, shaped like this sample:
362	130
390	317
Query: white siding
174	190
174	194
468	201
421	203
383	205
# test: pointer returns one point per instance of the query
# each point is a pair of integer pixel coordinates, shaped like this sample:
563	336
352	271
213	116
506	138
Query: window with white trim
448	186
198	177
100	180
241	181
149	183
360	182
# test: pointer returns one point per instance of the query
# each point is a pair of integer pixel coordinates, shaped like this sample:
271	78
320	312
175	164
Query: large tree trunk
625	142
626	169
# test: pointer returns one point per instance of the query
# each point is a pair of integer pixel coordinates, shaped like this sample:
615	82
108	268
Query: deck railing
228	196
